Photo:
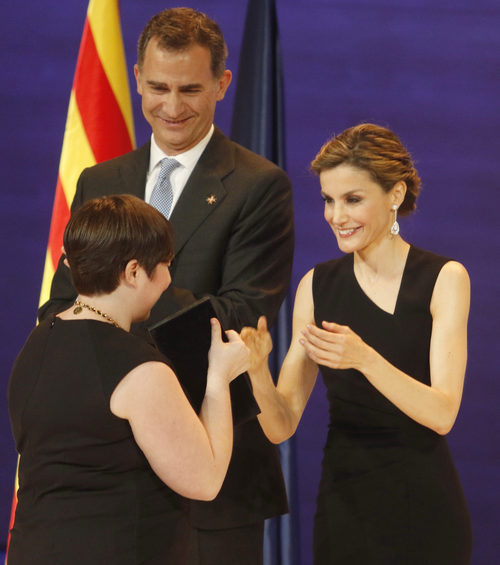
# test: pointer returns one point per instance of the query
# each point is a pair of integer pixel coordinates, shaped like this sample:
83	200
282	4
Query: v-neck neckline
401	283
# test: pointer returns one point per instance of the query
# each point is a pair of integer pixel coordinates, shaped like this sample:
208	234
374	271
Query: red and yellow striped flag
99	125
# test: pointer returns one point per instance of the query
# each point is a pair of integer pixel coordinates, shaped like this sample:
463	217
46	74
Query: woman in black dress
387	326
106	437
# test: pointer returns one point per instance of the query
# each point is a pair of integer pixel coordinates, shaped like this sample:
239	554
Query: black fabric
389	491
86	491
239	251
234	546
185	339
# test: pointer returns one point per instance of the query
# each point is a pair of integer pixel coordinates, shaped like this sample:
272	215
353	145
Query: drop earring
395	225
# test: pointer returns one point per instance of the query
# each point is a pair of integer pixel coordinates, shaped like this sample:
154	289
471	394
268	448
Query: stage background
429	69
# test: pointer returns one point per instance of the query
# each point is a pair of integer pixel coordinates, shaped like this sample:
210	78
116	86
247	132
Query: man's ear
223	83
137	74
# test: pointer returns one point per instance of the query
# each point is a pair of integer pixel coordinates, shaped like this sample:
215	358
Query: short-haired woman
106	437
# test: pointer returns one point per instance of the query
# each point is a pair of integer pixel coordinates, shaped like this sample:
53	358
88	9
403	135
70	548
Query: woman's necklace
78	308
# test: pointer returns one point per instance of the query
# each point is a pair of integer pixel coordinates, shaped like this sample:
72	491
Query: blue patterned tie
163	196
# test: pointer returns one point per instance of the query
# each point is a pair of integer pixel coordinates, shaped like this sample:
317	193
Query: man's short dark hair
178	29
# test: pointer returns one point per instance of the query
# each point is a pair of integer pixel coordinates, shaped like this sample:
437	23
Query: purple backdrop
427	69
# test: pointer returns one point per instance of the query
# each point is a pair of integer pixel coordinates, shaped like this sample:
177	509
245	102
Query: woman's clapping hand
334	346
258	340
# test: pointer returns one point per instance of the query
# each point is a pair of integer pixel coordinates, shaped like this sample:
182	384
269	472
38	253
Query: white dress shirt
180	175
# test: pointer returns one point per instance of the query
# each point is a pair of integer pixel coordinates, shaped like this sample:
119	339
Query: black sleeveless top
389	492
87	493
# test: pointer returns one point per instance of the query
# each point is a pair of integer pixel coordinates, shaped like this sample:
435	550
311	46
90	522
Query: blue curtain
258	124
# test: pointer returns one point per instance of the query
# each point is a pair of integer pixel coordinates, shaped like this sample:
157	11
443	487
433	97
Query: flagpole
258	124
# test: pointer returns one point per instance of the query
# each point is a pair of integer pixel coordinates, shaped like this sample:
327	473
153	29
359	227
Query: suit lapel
204	190
133	171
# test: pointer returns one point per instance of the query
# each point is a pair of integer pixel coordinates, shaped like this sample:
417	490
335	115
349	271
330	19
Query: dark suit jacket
239	250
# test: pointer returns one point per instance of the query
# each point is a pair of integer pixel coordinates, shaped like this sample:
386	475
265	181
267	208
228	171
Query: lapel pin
211	199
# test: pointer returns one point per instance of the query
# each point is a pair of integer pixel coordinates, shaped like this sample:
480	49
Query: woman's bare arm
282	406
189	453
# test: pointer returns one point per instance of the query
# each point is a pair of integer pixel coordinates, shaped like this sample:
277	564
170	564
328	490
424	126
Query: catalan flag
99	125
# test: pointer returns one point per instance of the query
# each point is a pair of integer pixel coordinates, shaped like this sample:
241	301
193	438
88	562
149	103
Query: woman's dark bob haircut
104	234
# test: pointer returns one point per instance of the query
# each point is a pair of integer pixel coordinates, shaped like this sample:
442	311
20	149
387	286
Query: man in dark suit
233	223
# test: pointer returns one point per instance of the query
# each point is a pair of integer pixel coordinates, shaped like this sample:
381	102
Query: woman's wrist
217	382
260	376
369	361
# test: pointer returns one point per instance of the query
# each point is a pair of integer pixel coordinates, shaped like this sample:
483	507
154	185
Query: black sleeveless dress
389	492
87	494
